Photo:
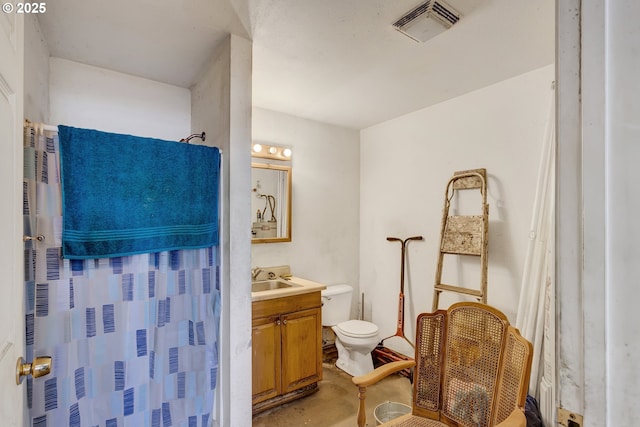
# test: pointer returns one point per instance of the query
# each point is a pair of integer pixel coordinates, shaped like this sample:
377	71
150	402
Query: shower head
194	135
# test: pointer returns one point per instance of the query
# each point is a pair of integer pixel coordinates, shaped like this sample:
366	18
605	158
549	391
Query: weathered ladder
464	234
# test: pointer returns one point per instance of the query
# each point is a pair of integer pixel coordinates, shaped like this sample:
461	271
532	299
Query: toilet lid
358	328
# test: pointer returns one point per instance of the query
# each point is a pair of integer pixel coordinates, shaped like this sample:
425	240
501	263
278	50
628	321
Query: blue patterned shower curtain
133	339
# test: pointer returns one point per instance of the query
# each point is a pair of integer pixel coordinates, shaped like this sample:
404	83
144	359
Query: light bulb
273	150
287	152
257	148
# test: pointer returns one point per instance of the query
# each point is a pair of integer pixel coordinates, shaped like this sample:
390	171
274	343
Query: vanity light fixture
273	152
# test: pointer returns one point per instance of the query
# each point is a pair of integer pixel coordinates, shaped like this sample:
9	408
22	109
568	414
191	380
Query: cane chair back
472	367
471	370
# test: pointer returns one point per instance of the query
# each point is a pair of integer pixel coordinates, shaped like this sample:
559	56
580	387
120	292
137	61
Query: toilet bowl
355	339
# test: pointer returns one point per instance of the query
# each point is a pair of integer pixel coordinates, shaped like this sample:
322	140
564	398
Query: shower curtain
133	338
536	312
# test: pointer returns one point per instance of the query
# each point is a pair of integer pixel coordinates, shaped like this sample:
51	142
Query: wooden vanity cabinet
266	363
287	349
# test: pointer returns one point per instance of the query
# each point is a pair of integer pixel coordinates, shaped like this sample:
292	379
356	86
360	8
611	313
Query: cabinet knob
284	321
278	322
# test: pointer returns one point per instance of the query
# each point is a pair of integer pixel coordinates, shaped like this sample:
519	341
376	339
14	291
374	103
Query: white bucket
388	411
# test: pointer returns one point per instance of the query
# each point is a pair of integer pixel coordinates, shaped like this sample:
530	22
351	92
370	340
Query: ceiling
334	61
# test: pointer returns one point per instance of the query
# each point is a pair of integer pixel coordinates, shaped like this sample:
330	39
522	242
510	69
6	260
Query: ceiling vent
427	20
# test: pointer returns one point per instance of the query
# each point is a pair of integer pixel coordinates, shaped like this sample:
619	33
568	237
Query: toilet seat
357	328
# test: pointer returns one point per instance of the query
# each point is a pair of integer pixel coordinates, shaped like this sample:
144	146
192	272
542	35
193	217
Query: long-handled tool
400	330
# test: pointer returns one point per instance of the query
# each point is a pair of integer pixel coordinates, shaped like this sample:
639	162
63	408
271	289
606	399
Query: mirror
270	203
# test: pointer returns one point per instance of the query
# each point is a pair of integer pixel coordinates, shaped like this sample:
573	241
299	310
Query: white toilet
355	339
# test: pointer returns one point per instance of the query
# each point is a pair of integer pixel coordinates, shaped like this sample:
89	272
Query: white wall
95	98
36	72
580	212
210	98
598	131
622	187
13	406
405	165
325	200
221	106
238	248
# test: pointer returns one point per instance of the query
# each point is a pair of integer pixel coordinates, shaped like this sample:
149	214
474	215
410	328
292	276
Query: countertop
304	287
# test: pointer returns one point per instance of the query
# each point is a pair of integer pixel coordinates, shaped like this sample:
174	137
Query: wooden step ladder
464	234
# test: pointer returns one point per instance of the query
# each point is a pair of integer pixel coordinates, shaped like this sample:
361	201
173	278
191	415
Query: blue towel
124	195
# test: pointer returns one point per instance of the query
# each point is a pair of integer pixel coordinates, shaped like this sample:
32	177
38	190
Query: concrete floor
335	404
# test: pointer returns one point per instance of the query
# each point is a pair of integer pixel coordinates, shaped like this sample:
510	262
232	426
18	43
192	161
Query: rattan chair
471	369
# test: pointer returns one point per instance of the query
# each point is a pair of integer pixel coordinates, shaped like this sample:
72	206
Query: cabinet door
301	349
266	364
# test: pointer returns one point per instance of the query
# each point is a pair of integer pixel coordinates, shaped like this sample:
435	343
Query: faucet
255	271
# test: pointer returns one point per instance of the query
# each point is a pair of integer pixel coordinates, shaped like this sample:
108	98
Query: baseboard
547	403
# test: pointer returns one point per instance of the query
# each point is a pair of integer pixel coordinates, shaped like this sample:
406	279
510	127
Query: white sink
270	285
282	287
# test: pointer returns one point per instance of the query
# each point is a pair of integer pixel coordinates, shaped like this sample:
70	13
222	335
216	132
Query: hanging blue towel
124	195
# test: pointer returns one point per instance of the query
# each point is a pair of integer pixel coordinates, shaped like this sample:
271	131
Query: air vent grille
415	13
427	20
446	13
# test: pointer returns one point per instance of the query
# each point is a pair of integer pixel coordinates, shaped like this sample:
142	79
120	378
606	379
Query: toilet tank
336	304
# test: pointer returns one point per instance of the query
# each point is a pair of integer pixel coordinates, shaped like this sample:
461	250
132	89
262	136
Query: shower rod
53	128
